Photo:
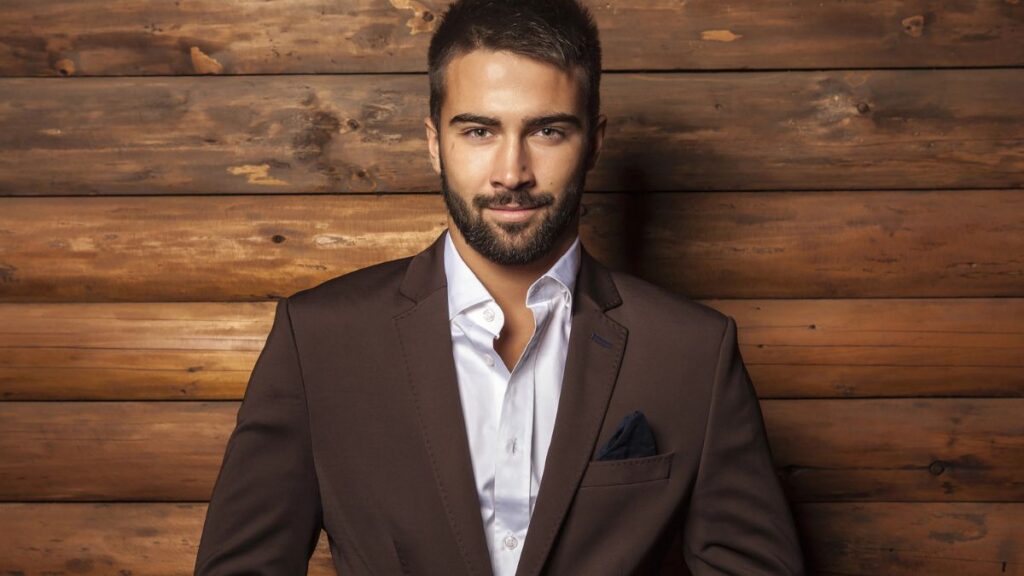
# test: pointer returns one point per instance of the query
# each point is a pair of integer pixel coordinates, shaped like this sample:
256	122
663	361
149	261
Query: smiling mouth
513	212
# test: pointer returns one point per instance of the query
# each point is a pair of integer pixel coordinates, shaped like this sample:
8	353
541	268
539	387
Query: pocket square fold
632	439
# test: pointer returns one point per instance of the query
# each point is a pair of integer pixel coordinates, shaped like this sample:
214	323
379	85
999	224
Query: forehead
507	84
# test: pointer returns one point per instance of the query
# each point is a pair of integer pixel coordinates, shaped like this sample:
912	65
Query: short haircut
558	32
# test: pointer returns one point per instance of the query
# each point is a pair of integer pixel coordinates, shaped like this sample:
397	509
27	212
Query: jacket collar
465	290
425	275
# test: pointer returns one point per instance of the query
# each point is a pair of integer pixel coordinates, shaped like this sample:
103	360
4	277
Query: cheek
556	170
467	166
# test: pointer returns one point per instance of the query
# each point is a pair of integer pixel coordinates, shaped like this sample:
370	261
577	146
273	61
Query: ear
597	140
433	144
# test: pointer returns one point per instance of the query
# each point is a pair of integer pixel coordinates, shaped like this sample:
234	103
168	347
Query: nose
512	166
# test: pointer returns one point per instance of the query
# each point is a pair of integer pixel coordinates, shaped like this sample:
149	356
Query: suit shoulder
364	285
647	302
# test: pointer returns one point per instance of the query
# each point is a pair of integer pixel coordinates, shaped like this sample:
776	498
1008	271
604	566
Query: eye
551	133
476	133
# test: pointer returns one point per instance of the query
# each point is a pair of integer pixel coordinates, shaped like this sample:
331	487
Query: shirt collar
465	289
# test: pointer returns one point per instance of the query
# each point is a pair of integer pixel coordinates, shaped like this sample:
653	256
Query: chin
515	230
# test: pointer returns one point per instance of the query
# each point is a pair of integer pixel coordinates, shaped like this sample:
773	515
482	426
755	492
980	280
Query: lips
506	207
513	213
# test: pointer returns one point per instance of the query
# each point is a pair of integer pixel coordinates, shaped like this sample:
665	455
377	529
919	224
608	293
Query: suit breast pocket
628	471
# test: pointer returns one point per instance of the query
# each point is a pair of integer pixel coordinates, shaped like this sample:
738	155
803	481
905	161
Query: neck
508	283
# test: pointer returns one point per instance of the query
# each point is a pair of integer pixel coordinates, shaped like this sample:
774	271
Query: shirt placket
513	472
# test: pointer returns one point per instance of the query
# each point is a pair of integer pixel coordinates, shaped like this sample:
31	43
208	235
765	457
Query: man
501	403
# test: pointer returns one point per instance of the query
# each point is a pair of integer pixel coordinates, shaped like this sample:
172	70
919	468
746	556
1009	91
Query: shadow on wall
636	214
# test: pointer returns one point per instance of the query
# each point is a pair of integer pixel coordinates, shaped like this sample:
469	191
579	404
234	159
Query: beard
516	243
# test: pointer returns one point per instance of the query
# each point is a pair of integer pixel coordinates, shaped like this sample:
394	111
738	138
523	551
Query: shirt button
488	314
510	542
488	360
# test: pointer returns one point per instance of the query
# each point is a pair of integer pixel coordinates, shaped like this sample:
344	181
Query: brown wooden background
845	178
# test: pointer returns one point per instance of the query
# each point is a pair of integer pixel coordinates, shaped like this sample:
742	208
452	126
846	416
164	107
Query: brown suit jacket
351	422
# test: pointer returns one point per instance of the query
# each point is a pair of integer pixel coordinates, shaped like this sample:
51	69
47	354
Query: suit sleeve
264	516
738	521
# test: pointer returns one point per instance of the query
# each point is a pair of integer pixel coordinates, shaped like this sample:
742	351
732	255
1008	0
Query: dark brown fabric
351	422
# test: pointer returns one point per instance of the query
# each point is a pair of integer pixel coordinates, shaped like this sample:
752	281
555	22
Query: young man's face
512	153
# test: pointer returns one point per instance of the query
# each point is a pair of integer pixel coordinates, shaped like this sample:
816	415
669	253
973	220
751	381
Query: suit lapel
596	346
425	336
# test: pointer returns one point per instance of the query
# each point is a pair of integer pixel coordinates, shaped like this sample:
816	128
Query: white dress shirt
509	415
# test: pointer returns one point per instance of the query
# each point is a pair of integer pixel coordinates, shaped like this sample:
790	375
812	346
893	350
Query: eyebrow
530	123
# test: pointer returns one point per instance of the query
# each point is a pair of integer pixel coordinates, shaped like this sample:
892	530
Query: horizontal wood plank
899	449
104	539
158	351
910	539
67	37
792	348
896	539
883	129
100	451
881	347
189	248
702	245
826	450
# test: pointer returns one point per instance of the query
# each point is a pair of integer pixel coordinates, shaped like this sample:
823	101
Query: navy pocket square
632	439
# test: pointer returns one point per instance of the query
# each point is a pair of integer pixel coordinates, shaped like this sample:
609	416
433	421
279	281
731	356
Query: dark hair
559	32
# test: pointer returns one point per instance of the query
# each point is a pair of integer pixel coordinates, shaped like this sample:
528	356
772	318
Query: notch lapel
425	336
596	346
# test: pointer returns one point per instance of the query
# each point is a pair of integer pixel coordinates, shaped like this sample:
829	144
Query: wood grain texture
130	351
881	347
792	348
828	245
826	450
893	538
702	245
67	37
899	449
882	129
105	539
200	248
112	451
910	539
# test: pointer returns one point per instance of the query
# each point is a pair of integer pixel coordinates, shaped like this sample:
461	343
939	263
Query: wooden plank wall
844	178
